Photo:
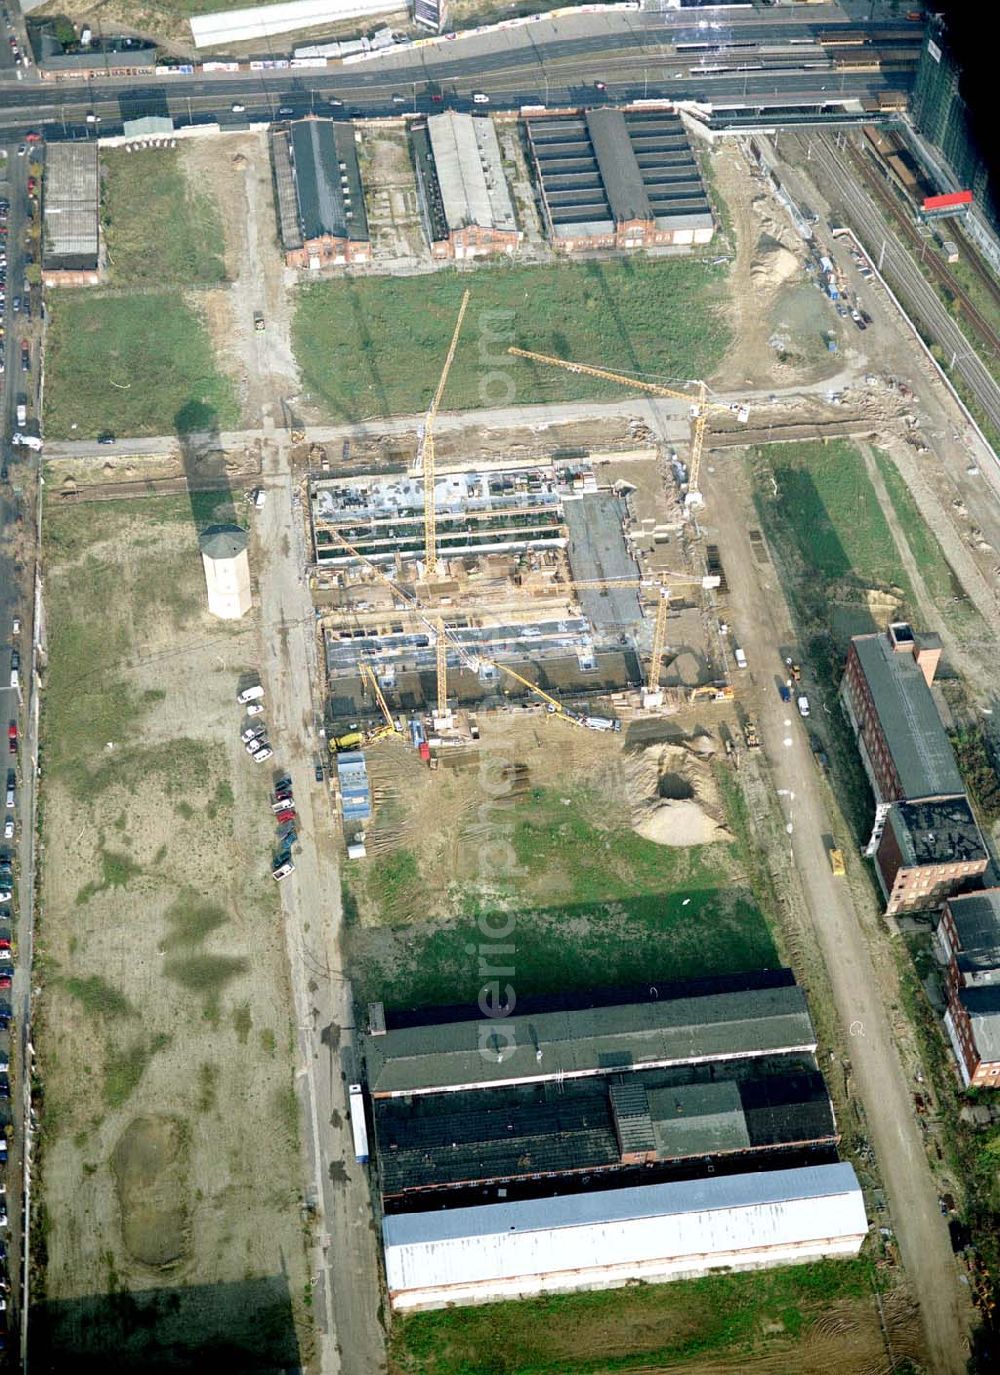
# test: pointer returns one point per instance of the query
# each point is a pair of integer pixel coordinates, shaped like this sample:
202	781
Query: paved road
904	275
18	475
759	613
345	1262
551	61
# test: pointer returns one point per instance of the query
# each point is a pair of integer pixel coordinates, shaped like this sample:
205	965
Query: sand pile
772	264
674	797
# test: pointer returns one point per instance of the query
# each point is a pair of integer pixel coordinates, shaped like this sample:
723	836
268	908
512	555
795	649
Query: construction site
572	584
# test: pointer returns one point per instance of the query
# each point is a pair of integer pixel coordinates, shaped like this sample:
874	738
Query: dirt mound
673	792
679	823
772	264
150	1170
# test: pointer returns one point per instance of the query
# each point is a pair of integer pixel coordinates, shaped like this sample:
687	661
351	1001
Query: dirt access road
760	617
345	1261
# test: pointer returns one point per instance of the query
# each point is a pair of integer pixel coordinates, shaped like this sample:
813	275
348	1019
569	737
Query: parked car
803	706
287	815
12	737
263	754
8	828
254	709
283	870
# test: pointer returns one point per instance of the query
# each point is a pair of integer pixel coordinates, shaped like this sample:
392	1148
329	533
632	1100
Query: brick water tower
227	571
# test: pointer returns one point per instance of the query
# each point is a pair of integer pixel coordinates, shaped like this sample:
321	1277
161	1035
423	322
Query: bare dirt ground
839	945
776	343
237	169
169	1170
393	211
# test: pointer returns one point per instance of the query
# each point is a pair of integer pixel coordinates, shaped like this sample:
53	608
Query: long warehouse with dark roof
321	200
619	179
635	1128
449	1056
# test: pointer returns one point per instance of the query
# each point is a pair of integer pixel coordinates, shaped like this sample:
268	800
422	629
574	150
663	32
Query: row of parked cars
256	744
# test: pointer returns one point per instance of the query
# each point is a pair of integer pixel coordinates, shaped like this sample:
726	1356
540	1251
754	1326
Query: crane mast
425	455
700	405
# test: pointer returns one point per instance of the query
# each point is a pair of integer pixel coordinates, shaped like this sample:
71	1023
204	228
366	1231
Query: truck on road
359	1127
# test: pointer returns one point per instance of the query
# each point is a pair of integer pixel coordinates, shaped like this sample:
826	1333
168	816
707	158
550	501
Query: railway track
933	260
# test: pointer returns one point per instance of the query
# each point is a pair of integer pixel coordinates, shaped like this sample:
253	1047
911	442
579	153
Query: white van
479	98
740	657
250	694
803	706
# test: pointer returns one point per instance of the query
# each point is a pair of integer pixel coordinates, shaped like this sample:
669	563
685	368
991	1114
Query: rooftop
607	167
522	1131
223	541
917	740
977	925
983	1007
70	205
328	180
595	1041
470	172
765	1190
938	832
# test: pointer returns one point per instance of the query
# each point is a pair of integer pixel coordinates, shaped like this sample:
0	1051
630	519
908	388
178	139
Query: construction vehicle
750	734
369	679
711	692
700	408
837	863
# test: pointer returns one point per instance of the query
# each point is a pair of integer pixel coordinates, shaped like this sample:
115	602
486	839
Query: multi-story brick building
925	840
928	851
968	941
886	692
972	1022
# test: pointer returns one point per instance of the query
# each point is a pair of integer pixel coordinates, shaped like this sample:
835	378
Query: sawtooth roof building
320	195
462	188
616	1236
630	1128
619	179
473	1054
71	245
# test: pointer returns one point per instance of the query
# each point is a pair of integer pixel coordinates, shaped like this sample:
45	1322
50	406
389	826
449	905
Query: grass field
371	348
139	365
587	901
741	1316
141	194
826	506
168	1154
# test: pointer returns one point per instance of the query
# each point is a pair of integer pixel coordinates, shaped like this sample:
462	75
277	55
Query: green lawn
375	347
827	509
157	229
588	906
646	1327
139	365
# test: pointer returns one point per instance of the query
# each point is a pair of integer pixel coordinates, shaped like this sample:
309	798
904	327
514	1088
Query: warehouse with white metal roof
464	198
70	219
616	1236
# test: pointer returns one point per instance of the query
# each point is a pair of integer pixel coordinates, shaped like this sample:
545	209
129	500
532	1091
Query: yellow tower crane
425	452
701	408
